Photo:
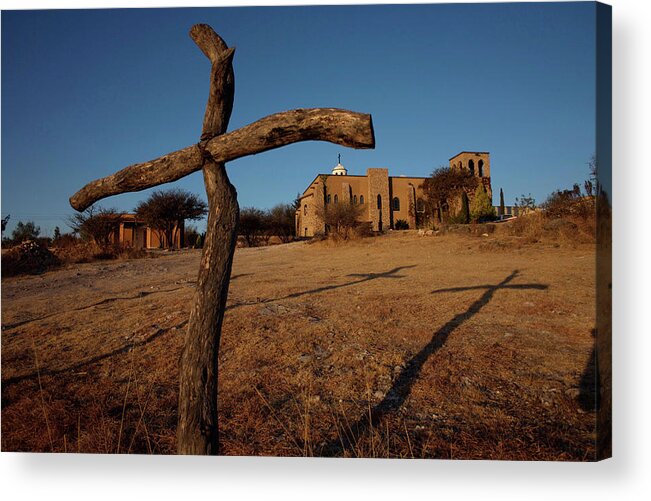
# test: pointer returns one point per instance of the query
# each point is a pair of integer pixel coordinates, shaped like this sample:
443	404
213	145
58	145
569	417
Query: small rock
305	358
378	395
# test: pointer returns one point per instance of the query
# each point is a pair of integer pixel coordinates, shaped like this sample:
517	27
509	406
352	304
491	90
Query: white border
32	476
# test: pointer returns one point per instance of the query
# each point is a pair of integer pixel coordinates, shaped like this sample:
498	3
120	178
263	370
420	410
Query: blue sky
85	93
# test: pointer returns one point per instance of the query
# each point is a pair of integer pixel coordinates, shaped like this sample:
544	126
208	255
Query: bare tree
252	225
96	224
281	221
340	219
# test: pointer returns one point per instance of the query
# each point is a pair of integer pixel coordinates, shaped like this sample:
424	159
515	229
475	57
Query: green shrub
481	207
401	224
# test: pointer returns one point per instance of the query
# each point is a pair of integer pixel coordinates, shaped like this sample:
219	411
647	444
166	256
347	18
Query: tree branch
347	128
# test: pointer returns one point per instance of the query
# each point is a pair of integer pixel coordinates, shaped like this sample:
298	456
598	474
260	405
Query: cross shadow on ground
361	278
401	388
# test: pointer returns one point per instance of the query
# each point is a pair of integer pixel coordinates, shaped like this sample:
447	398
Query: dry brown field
452	346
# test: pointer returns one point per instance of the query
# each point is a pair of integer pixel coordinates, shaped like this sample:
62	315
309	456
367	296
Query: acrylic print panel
399	215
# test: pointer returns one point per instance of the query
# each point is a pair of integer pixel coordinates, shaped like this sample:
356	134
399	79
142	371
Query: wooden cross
197	431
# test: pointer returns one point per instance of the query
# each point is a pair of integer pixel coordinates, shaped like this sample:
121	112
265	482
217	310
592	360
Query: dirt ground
395	346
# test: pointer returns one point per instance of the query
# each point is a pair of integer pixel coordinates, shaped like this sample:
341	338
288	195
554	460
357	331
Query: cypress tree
465	208
501	203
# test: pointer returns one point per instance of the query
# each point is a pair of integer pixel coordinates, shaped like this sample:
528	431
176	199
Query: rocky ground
398	346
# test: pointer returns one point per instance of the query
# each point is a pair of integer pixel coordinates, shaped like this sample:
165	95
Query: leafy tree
444	186
502	209
5	220
96	224
165	211
252	224
25	231
57	233
481	207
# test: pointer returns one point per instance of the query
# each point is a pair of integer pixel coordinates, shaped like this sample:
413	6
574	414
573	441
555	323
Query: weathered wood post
197	431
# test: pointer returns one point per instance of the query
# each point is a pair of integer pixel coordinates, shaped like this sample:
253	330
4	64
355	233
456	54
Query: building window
420	205
396	203
336	199
328	199
361	199
305	232
355	199
305	210
460	165
379	202
480	168
471	166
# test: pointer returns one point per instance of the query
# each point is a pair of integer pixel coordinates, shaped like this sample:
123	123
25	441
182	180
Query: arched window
460	166
328	199
355	199
379	201
471	166
480	168
336	199
305	210
396	203
420	205
361	199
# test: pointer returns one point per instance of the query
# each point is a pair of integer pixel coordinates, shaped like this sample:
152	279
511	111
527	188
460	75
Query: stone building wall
378	186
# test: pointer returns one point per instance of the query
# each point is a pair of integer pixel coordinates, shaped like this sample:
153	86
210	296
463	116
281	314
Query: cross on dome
339	169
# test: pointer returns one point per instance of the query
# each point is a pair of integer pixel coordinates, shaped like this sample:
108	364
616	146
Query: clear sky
87	92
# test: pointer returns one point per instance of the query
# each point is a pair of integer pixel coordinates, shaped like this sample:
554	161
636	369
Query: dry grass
398	346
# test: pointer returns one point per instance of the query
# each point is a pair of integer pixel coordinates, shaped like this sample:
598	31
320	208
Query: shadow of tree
403	384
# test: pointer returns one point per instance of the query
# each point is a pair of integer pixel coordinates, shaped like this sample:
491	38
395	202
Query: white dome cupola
339	169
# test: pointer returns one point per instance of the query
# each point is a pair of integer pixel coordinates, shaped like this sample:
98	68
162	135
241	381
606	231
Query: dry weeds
457	346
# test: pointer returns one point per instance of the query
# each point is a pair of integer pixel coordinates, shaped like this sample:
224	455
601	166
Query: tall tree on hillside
165	211
501	203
